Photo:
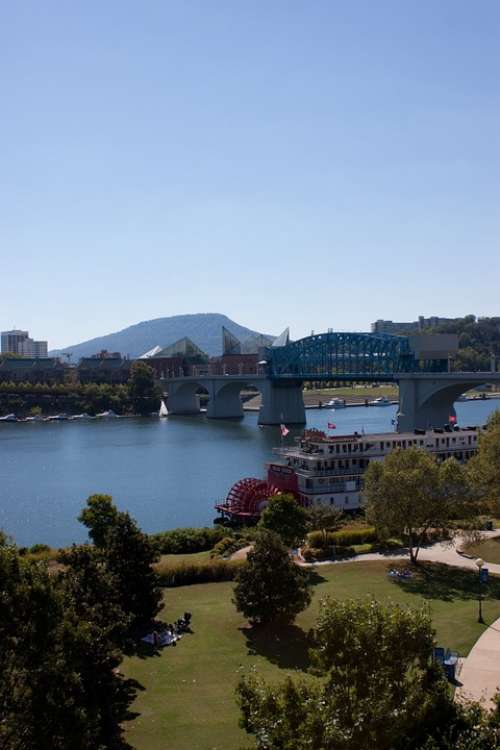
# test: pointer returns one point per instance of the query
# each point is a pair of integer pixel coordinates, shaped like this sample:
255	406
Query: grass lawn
188	698
192	557
353	394
489	550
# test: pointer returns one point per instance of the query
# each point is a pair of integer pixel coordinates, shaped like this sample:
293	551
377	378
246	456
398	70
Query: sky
285	162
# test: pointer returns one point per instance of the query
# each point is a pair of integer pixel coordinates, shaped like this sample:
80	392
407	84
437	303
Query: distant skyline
284	163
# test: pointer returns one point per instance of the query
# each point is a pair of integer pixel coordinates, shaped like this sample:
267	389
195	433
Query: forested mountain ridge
205	329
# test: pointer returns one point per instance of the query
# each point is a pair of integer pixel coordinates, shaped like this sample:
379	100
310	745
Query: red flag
331	426
452	419
284	430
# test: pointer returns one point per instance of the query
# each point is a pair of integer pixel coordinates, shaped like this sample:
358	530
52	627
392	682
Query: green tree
144	393
484	467
410	493
270	588
58	685
128	555
378	687
285	517
99	516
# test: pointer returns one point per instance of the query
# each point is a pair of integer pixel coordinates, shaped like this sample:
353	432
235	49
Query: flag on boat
331	426
452	419
284	430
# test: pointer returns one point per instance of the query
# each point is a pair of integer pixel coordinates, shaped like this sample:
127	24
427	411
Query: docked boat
337	403
9	418
110	414
163	410
57	418
324	470
380	401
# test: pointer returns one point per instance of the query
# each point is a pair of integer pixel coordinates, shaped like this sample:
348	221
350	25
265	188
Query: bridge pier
282	403
183	399
427	400
224	401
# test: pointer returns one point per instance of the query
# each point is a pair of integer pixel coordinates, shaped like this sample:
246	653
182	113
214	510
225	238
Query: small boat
9	418
163	410
36	418
380	401
110	414
80	416
337	403
57	418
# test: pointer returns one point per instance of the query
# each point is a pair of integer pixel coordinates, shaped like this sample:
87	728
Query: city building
109	369
48	370
19	342
422	324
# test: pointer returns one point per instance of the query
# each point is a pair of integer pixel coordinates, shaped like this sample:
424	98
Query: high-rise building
19	342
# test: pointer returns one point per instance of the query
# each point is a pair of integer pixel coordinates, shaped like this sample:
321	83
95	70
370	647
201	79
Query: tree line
139	395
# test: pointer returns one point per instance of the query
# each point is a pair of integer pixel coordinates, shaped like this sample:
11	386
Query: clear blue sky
318	164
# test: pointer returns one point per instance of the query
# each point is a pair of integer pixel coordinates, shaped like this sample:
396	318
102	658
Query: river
166	473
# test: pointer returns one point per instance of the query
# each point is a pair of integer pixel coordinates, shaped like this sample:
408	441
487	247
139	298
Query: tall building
19	342
389	326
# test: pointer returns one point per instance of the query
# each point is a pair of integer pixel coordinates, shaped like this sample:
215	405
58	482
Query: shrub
185	541
36	548
185	574
344	538
228	545
326	553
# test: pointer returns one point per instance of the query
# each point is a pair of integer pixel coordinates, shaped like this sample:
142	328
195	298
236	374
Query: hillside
205	329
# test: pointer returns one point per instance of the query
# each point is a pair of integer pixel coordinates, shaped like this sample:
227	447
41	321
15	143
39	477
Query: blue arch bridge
420	364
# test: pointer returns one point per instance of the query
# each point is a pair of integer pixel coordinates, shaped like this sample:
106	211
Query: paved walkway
480	672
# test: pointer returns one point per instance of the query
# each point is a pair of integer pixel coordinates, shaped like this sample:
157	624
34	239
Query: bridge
420	364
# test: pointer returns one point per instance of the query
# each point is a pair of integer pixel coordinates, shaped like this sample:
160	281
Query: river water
166	473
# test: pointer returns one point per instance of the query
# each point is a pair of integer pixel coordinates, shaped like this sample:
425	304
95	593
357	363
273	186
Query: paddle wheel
246	499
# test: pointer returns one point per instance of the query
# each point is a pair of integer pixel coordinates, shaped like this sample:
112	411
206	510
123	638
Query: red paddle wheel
246	499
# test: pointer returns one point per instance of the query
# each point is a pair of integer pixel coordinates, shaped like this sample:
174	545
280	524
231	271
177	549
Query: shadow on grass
315	578
287	646
439	581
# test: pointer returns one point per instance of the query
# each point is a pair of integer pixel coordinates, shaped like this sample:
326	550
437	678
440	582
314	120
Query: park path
480	673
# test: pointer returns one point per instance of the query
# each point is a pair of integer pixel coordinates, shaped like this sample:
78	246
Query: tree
379	688
144	393
128	555
484	467
285	517
99	517
270	587
58	686
410	493
324	518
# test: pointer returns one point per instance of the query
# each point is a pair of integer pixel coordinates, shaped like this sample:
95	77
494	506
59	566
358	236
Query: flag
284	430
331	426
452	419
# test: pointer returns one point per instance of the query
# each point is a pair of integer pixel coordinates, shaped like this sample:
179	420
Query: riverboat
321	469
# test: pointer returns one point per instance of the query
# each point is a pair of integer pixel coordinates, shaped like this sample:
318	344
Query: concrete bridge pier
224	400
182	398
428	400
282	402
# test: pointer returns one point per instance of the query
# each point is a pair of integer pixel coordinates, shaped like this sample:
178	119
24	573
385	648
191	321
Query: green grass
489	550
188	698
352	394
193	557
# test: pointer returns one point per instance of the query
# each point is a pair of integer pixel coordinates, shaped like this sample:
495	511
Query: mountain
205	329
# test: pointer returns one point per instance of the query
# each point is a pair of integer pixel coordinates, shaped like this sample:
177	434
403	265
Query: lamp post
479	563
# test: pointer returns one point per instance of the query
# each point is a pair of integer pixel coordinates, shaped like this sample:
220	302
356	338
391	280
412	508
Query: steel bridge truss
347	356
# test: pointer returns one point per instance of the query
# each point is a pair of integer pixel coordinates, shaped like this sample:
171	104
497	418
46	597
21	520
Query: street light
479	564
